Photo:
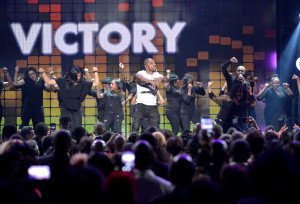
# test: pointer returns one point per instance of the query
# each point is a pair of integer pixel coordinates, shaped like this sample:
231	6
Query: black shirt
274	103
173	98
100	101
188	102
113	102
33	92
72	96
231	80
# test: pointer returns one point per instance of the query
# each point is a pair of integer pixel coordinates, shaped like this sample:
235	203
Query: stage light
298	63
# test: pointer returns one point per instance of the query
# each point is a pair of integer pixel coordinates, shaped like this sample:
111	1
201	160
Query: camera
39	172
128	159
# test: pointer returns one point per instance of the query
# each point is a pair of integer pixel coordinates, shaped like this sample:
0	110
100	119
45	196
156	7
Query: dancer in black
173	102
231	104
4	85
188	111
106	81
114	102
73	90
275	98
32	88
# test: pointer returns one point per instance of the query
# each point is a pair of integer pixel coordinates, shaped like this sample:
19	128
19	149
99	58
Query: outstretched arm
46	78
228	77
298	82
86	70
96	77
9	80
16	82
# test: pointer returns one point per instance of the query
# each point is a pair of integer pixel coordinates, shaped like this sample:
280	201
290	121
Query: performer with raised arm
240	74
275	98
295	77
73	90
147	88
188	92
114	102
231	104
4	85
32	88
173	102
130	87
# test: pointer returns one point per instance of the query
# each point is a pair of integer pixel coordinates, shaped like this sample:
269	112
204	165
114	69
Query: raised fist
199	84
209	84
233	60
190	86
95	69
121	65
17	69
86	69
41	70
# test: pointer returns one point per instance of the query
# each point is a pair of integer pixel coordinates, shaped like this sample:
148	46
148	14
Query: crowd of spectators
203	166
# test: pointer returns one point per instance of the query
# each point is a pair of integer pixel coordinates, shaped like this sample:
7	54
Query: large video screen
184	36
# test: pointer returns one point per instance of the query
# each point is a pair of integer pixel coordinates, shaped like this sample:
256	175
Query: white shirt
147	98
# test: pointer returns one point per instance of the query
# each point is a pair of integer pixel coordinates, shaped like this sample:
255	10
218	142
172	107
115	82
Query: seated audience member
98	146
65	123
59	159
256	143
40	131
148	185
33	146
102	162
99	130
120	188
240	152
84	145
8	131
233	179
27	132
175	146
47	144
78	133
119	143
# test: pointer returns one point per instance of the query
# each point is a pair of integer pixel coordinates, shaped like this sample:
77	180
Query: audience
198	167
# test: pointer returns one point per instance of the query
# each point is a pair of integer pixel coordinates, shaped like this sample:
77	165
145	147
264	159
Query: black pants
115	120
187	117
173	116
36	114
144	111
75	115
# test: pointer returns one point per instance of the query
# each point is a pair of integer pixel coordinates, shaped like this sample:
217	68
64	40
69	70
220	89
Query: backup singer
114	100
173	102
4	85
188	111
32	88
73	90
275	98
